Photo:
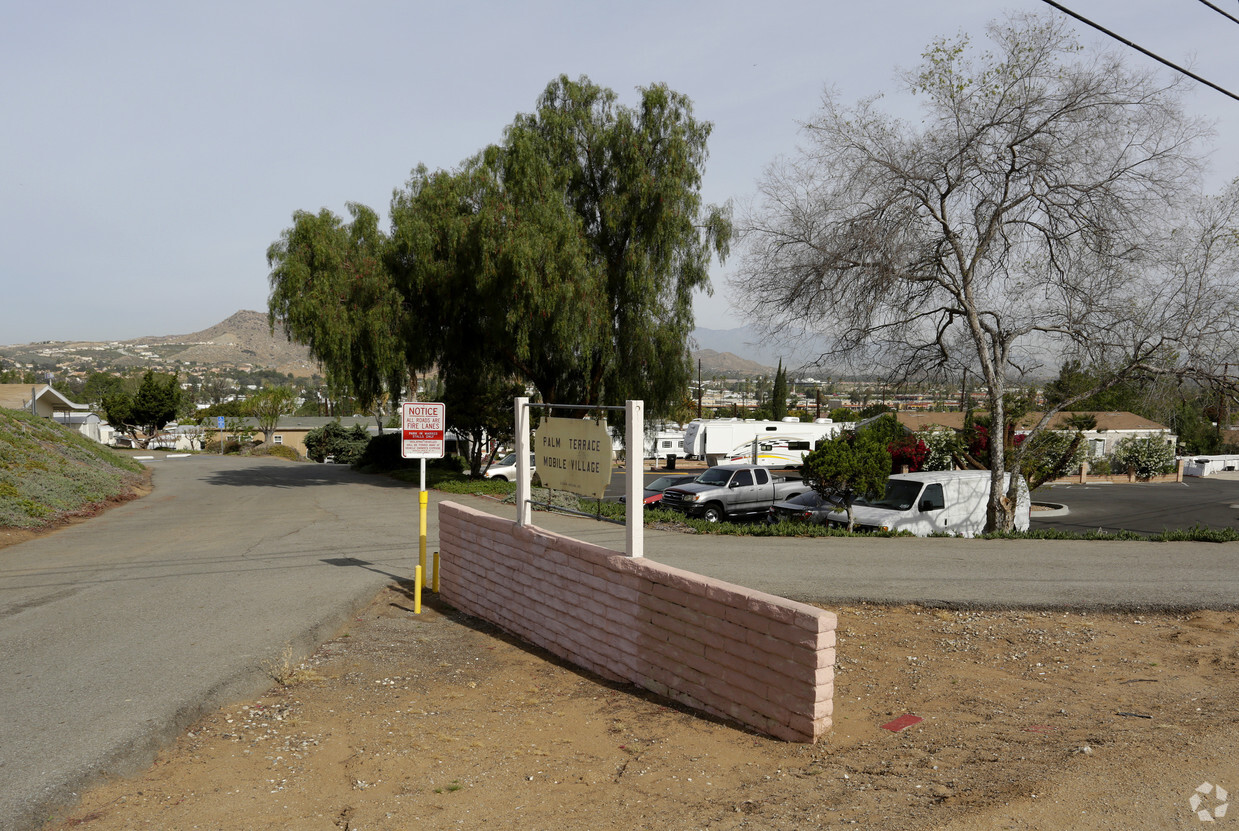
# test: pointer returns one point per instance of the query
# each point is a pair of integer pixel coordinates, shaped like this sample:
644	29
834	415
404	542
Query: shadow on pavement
298	476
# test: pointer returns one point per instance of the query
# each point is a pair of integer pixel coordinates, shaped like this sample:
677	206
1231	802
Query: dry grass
289	672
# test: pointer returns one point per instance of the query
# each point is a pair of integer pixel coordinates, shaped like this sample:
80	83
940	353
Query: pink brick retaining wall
754	658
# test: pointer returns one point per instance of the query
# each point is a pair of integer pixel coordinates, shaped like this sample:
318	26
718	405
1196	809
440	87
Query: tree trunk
1000	512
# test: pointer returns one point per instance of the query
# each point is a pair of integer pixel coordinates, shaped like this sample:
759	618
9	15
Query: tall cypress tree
778	396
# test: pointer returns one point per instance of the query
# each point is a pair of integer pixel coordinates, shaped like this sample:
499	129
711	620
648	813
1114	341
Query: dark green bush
383	454
278	450
343	445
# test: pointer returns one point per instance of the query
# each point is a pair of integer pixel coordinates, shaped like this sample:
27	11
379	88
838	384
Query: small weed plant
288	672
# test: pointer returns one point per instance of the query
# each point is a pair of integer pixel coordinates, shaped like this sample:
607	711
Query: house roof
17	397
295	423
1118	420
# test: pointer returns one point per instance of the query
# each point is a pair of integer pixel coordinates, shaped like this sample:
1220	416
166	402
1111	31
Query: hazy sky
150	152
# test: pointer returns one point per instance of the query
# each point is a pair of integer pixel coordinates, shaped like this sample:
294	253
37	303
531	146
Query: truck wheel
713	513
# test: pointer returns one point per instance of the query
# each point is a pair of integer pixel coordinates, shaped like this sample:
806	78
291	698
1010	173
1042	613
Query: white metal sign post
422	426
559	457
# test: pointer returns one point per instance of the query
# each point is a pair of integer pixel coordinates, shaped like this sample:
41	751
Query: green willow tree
565	256
569	253
500	287
331	291
632	176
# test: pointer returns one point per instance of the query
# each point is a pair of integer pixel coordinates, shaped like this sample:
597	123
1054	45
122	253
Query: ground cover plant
49	472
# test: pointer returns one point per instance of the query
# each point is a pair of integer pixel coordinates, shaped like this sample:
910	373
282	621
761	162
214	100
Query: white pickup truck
728	491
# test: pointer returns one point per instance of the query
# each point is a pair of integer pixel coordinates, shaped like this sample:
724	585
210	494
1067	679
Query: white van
938	502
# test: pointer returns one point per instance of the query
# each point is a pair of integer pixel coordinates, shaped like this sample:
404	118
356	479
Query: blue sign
220	423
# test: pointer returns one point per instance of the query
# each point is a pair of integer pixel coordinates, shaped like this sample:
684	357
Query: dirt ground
437	720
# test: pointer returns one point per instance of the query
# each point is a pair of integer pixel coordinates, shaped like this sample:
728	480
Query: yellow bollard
417	590
435	576
423	497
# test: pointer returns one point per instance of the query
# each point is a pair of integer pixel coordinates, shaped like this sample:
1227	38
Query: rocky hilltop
729	365
241	339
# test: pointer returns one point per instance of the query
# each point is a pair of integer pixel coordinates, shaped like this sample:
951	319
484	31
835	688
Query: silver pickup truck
729	491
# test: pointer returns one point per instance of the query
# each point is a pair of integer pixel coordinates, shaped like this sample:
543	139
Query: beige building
292	430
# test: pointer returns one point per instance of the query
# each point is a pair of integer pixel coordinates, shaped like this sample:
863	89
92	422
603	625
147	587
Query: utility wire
1141	49
1226	14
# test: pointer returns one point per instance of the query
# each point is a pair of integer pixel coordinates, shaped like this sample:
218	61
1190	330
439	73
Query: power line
1225	14
1141	49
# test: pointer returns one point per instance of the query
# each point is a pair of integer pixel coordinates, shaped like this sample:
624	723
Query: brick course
751	657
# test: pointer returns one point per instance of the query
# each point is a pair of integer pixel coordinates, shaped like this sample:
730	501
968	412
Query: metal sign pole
524	511
423	429
634	426
422	499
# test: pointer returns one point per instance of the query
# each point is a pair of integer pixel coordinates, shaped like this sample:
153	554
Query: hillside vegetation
49	473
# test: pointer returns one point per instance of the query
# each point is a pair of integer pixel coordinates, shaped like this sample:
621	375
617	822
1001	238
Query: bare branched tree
1046	206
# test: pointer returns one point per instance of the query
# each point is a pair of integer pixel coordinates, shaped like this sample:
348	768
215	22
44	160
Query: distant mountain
242	338
746	343
727	364
243	341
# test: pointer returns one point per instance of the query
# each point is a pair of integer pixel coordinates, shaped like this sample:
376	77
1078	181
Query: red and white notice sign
422	426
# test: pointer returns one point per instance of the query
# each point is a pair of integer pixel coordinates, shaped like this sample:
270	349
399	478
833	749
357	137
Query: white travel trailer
714	439
938	502
664	441
782	450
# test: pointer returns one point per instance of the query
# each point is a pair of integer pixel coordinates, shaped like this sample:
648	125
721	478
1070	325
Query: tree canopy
847	467
268	405
778	394
156	402
330	291
1045	207
565	256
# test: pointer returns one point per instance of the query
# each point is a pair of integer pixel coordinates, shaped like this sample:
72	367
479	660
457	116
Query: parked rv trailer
665	441
782	450
713	439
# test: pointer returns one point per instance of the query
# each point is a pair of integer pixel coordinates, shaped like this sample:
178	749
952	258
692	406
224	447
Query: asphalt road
119	632
1044	574
1211	502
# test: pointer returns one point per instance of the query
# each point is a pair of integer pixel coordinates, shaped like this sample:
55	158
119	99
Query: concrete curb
1054	509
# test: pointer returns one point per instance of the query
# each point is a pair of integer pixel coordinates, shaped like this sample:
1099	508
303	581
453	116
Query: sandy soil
437	720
